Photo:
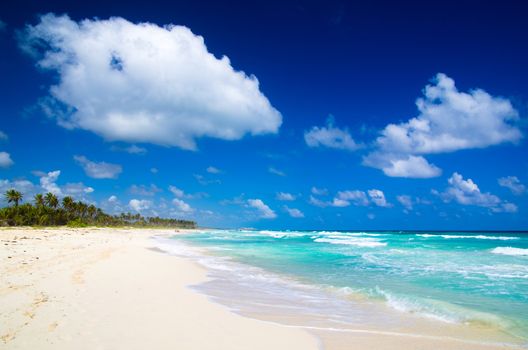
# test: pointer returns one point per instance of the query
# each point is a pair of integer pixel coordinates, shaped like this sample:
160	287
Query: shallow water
350	278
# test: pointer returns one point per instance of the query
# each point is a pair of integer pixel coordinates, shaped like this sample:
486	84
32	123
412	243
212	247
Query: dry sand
104	289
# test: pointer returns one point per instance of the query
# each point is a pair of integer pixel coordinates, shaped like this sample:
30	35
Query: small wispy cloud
319	191
285	196
142	190
213	170
98	170
202	180
293	212
275	171
263	210
5	160
331	137
179	193
513	184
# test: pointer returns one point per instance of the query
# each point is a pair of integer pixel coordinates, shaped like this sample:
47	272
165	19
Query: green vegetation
48	210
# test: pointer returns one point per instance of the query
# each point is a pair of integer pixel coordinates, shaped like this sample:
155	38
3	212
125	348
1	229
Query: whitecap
358	242
510	251
499	238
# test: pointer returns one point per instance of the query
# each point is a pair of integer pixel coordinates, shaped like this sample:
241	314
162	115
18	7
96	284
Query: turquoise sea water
476	278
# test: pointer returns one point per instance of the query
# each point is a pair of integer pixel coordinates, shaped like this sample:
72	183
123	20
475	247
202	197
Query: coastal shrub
77	223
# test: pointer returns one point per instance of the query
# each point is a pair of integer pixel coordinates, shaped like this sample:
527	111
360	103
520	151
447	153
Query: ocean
388	281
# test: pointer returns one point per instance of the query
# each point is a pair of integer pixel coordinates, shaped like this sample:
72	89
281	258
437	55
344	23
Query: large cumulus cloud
145	83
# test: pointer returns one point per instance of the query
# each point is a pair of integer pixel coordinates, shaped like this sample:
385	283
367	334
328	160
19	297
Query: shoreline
90	288
404	330
115	288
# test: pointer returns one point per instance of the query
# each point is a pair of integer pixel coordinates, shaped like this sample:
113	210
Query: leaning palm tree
13	196
51	200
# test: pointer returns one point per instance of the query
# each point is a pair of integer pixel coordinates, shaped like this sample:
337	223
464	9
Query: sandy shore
104	289
112	289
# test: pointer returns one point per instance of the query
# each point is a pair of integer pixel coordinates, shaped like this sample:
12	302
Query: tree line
48	210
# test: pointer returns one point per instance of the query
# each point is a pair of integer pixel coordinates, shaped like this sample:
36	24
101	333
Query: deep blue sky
364	64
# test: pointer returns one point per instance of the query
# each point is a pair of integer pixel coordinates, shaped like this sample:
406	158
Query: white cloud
378	198
204	182
176	191
213	170
264	211
101	170
466	192
285	196
182	206
319	191
179	193
277	172
135	150
338	202
145	83
154	170
330	136
406	201
317	202
294	213
402	165
5	160
48	182
448	121
3	136
239	200
112	205
506	207
76	189
139	204
143	190
513	183
358	198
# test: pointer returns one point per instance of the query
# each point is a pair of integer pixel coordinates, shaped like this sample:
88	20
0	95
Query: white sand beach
104	289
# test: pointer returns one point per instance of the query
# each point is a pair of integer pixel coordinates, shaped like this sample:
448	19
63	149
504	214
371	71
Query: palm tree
92	210
39	200
51	200
68	203
13	196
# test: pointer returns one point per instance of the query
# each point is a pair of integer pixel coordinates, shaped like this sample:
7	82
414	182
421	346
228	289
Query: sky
271	114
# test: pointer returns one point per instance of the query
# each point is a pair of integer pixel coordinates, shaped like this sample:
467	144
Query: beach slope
108	289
